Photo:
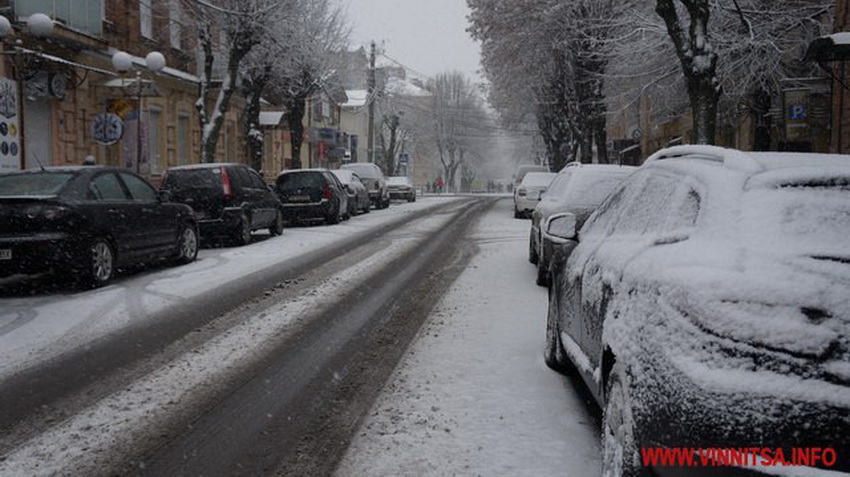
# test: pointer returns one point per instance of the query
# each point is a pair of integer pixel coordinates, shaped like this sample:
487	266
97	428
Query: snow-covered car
706	307
578	189
374	180
358	197
89	221
401	188
527	194
524	169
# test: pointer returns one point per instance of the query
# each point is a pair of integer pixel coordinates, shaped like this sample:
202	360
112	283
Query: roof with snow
356	98
403	87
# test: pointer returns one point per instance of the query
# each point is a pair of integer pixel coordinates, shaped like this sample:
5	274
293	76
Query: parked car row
704	305
89	221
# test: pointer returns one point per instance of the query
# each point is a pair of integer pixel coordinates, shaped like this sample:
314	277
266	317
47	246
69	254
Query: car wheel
532	252
553	353
100	264
242	235
619	450
276	227
187	244
412	198
368	208
333	217
542	272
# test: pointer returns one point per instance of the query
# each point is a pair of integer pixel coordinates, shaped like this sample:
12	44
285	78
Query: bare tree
319	33
553	55
227	31
455	118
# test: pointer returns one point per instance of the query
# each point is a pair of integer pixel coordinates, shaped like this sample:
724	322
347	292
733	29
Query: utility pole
370	140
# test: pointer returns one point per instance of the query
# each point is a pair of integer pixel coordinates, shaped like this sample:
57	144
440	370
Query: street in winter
444	238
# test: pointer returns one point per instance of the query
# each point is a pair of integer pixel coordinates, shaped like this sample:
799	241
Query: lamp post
38	25
154	62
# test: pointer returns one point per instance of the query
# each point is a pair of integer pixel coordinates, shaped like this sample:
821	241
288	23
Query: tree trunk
296	109
253	133
699	63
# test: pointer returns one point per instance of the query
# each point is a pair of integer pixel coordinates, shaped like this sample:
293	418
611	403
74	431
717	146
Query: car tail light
521	192
225	184
48	212
326	193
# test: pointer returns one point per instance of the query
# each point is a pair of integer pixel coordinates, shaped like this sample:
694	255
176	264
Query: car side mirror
562	226
165	196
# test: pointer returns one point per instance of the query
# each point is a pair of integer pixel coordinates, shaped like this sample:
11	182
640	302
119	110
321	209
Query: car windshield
33	184
590	189
299	180
188	178
363	170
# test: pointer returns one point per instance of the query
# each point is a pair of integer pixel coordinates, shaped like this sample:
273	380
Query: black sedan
88	222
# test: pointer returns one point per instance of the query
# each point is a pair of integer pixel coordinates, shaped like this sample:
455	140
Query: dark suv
229	200
312	194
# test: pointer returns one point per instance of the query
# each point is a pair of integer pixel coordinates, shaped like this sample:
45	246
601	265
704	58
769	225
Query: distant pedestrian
438	184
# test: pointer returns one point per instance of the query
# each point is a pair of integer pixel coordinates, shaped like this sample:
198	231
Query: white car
527	194
401	188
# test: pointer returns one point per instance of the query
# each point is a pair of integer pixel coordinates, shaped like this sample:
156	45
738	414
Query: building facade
73	103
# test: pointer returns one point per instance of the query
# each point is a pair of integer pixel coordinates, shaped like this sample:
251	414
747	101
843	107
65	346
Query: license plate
299	198
5	254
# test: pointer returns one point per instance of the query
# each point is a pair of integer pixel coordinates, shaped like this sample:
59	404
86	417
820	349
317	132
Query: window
139	189
175	24
146	18
154	139
182	139
107	187
82	15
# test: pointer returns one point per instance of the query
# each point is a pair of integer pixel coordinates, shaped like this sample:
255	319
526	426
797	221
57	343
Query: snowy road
279	384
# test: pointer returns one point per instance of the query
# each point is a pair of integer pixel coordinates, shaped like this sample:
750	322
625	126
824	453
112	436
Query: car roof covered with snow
538	179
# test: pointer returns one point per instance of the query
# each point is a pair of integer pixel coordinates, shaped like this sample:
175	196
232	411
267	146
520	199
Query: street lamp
154	62
39	25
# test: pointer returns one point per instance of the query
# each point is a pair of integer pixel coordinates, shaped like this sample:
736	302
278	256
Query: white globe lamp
121	61
40	25
155	61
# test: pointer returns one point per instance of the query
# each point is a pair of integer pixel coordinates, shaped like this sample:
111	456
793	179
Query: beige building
70	102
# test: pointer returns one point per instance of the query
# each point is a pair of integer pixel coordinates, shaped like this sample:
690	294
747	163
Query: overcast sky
427	36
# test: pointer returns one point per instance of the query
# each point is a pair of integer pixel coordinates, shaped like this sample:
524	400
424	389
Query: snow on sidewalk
472	396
